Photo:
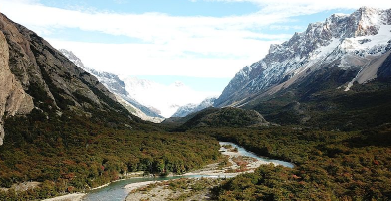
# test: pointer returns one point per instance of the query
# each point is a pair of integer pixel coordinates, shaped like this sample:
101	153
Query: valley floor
178	189
232	164
69	197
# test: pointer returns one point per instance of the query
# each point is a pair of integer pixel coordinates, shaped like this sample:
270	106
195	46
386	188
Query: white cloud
150	59
151	27
173	45
192	46
166	98
305	7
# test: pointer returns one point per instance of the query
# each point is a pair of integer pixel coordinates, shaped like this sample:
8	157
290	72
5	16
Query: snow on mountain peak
192	108
72	57
364	33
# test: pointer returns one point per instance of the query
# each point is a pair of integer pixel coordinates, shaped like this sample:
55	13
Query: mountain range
352	46
192	108
327	72
147	99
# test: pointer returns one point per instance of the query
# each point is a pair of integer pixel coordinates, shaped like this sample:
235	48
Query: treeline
76	152
330	165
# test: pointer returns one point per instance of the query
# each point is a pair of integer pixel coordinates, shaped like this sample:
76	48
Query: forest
330	165
82	149
74	153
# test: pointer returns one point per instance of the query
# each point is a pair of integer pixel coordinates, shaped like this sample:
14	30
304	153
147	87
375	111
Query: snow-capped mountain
164	99
117	86
356	43
147	99
192	108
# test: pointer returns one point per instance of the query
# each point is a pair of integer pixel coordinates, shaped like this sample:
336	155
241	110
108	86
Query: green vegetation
223	117
227	146
364	106
73	153
330	165
78	148
339	142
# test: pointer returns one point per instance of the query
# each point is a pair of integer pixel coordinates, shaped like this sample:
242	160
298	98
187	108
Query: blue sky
201	43
173	7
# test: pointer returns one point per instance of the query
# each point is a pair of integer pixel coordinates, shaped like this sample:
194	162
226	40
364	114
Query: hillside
224	117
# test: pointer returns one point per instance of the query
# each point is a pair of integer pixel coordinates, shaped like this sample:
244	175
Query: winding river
116	191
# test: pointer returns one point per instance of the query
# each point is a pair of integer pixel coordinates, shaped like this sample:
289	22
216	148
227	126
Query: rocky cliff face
347	42
33	73
13	98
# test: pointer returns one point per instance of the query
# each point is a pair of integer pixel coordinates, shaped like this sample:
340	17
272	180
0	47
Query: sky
201	43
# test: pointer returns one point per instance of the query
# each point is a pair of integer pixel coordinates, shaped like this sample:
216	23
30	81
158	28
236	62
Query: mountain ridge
117	86
38	78
192	108
344	41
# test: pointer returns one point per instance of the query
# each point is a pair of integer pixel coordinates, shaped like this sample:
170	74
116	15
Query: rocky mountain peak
337	40
72	57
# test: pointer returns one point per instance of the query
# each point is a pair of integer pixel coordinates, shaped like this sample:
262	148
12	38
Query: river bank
237	161
80	195
68	197
177	189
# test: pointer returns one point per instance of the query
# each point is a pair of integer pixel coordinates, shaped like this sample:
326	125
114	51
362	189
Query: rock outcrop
13	98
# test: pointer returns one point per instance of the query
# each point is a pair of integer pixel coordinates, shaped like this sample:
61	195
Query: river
116	191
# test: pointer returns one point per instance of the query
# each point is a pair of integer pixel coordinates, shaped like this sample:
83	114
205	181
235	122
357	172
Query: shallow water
244	152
